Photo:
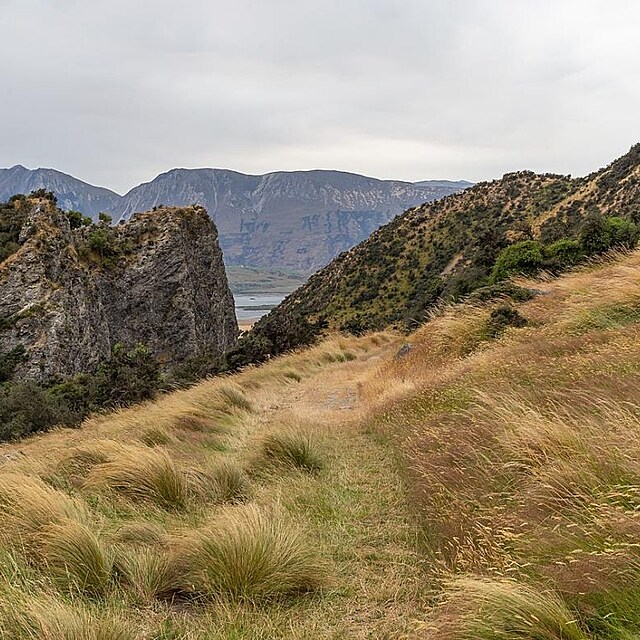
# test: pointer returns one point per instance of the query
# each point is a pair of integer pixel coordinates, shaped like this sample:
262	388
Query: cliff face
69	295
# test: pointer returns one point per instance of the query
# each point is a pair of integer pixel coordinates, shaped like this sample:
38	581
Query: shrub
502	317
26	408
599	234
563	254
100	242
131	375
77	219
9	360
248	554
522	258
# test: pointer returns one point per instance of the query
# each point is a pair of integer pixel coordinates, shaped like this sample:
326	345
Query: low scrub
249	554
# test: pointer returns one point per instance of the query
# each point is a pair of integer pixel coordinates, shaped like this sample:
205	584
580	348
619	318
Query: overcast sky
115	92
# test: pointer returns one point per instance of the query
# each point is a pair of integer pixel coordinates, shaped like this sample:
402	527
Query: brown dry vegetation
473	487
524	460
229	510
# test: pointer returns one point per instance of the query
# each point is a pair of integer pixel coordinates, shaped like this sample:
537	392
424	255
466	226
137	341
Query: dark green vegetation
26	407
521	224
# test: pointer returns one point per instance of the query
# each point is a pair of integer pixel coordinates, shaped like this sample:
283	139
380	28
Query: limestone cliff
69	295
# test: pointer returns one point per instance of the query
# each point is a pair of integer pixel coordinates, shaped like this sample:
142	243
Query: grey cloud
117	91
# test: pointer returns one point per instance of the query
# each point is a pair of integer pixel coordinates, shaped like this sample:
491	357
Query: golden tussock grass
293	447
524	459
249	553
28	506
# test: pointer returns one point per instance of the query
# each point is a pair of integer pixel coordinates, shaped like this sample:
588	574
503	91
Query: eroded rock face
69	295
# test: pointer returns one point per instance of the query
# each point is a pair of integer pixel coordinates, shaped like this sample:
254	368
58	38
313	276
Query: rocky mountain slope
70	192
294	220
298	220
446	249
69	295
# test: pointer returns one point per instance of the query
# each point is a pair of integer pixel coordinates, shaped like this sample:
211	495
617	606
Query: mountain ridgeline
447	249
296	220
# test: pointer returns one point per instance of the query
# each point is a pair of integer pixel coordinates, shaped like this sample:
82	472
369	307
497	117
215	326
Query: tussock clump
291	448
227	482
145	475
46	618
232	482
233	396
77	464
249	554
193	422
28	505
292	374
151	574
76	558
503	610
156	436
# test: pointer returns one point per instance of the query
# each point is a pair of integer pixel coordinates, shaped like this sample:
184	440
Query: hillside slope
448	248
481	482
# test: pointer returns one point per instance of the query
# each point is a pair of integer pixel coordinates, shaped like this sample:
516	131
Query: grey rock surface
160	281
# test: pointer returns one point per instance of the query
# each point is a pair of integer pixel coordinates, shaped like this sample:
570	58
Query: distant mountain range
296	220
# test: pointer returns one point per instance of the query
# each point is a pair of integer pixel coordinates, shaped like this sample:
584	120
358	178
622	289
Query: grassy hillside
480	482
448	248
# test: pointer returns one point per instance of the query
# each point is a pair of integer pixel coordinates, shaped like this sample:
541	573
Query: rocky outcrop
69	295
